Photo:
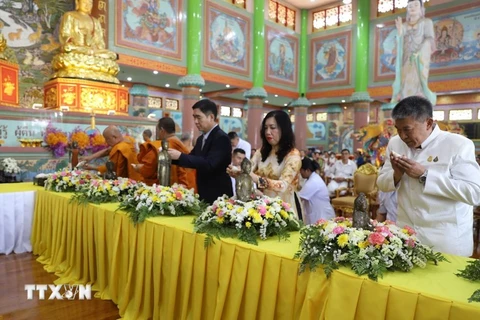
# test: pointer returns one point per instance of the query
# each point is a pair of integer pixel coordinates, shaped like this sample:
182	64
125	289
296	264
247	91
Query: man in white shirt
436	177
238	143
387	206
341	172
237	157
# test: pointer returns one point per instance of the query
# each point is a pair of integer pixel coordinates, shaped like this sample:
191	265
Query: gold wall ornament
51	98
86	96
83	52
8	86
3	47
9	83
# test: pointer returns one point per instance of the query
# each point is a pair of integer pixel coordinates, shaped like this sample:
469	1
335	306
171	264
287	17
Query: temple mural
457	40
229	124
330	56
149	26
281	54
227	46
31	31
346	138
317	131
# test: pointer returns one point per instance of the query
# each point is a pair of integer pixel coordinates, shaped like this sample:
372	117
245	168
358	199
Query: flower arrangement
262	217
335	242
97	142
68	181
56	141
81	138
9	165
102	191
161	200
472	273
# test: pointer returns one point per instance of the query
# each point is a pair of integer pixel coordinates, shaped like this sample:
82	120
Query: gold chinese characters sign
9	83
85	96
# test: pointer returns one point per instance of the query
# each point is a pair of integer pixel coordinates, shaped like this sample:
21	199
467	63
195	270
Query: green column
194	36
258	43
361	59
302	72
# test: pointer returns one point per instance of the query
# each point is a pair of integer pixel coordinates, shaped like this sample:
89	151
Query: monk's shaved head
112	135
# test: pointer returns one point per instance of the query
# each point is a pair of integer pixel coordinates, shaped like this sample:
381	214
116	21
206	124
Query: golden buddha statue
82	52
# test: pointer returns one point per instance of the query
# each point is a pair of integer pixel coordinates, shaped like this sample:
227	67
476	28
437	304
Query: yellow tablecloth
161	270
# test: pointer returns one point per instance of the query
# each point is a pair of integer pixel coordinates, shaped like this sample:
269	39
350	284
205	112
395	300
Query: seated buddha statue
82	52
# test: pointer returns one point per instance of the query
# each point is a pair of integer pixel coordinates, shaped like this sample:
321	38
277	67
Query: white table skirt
16	212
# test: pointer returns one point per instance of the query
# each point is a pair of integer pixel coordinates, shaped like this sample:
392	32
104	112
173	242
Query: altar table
160	269
16	210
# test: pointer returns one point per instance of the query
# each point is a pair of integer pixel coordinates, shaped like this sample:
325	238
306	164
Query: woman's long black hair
287	138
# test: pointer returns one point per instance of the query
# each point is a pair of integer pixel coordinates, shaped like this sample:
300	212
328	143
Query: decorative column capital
301	102
191	80
387	106
363	96
334	109
256	92
139	90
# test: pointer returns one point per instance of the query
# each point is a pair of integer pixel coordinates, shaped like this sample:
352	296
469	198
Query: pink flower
214	208
376	238
410	231
267	201
63	173
321	221
54	177
262	210
338	230
178	195
286	205
220	213
410	243
339	219
384	231
81	182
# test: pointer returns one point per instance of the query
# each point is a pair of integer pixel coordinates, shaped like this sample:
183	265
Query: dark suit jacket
211	163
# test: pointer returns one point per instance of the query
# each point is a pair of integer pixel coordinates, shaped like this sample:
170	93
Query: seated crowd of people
308	180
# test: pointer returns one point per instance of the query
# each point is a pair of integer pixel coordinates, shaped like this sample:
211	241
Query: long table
160	269
16	211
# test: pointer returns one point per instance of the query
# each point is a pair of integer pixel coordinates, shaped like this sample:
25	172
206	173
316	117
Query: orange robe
148	156
123	155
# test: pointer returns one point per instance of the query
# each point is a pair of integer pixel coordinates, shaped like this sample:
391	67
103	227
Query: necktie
203	141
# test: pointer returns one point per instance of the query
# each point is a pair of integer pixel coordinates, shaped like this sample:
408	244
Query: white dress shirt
342	170
316	201
242	144
440	211
205	135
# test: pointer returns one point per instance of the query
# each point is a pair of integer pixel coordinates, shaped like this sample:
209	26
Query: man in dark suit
211	155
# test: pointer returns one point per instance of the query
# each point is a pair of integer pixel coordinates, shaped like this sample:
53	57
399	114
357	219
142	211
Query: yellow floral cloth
282	178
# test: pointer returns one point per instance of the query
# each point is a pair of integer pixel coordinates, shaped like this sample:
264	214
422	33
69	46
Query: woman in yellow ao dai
276	166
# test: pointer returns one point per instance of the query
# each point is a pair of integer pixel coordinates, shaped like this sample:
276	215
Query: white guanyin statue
415	44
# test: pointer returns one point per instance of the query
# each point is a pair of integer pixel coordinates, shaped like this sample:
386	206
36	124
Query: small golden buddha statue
82	52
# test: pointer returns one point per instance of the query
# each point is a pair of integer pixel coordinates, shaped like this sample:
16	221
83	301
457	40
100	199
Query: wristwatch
423	178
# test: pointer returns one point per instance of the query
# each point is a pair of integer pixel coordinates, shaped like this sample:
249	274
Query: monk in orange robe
122	153
147	137
148	157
